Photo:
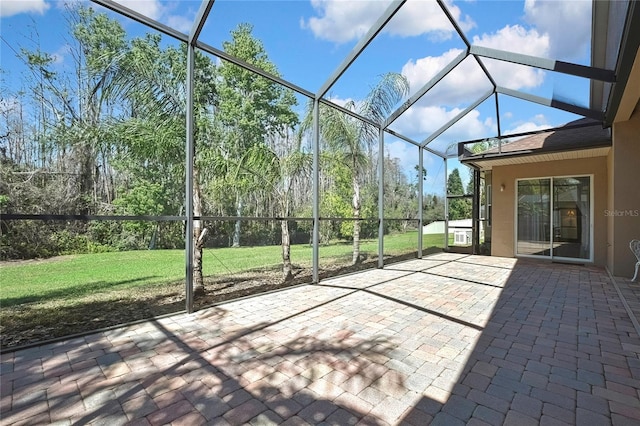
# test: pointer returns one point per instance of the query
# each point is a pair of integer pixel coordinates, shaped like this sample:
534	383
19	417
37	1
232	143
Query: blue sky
307	40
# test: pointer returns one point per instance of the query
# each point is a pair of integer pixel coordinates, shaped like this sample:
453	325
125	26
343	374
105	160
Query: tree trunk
356	222
236	229
199	235
286	251
86	169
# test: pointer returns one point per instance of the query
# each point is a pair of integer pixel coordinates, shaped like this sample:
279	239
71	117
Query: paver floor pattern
448	339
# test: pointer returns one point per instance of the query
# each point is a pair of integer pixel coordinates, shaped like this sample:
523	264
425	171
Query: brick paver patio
448	339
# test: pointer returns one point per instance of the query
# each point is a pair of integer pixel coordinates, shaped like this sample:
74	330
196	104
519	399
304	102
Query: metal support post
380	198
420	199
446	207
475	213
316	191
498	125
190	148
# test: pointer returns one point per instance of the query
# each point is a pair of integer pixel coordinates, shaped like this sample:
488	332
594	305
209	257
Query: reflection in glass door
564	234
572	217
534	224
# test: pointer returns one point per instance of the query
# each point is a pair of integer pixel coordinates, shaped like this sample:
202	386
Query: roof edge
628	51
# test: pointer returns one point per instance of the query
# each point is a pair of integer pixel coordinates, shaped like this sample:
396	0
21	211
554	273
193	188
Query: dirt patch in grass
38	322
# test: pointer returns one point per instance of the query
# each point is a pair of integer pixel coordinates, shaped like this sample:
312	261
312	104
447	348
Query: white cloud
567	23
341	21
339	101
421	121
516	39
538	122
180	23
15	7
420	71
406	154
159	12
463	85
425	17
150	8
59	55
467	81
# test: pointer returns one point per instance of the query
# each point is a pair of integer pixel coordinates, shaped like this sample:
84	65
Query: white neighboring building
461	230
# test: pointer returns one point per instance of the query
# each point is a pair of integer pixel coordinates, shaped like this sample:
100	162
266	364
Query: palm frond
379	103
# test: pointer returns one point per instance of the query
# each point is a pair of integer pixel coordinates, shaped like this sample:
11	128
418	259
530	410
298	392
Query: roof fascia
525	153
628	52
362	44
478	162
577	70
535	132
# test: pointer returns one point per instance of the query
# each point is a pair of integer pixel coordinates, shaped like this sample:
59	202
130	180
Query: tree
155	80
433	208
59	132
400	195
470	184
277	174
73	106
351	139
251	108
459	208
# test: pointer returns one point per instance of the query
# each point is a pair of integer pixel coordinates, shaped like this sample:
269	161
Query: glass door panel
534	219
572	217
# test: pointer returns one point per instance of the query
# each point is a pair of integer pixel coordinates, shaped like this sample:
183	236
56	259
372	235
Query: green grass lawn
73	276
62	296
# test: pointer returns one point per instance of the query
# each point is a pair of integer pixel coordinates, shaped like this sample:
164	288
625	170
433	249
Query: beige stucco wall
610	203
624	206
503	221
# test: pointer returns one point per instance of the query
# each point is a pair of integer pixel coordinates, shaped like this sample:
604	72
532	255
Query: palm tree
352	139
154	80
276	174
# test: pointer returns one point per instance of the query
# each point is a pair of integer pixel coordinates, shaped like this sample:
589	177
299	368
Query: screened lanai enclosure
159	156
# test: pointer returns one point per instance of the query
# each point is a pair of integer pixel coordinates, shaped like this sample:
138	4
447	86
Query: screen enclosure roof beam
454	23
197	28
412	142
143	19
200	20
464	38
576	70
554	103
362	44
457	118
424	89
242	64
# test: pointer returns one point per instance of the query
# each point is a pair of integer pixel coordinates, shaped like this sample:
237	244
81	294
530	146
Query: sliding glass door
553	217
534	220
